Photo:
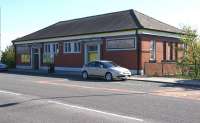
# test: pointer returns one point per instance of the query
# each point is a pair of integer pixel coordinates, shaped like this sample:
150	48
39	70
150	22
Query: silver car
106	69
3	67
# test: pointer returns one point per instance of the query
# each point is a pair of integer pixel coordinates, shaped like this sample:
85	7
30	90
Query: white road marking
96	111
8	92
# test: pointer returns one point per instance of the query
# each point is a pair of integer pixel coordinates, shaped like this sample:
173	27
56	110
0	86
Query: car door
91	69
100	69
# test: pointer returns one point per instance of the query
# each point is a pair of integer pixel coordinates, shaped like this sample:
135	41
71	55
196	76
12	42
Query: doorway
36	62
36	59
92	52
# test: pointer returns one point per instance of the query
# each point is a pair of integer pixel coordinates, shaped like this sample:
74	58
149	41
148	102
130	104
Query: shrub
190	63
8	57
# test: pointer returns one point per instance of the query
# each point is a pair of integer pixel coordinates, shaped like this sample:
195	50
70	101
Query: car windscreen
110	64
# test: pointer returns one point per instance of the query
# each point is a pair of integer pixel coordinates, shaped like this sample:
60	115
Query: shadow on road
70	76
186	87
8	104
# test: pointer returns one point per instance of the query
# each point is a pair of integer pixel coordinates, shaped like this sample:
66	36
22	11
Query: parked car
106	69
3	67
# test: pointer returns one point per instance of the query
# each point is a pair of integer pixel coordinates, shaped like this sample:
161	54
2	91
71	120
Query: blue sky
21	17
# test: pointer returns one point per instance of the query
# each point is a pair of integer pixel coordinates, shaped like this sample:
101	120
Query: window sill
168	61
72	52
152	61
121	49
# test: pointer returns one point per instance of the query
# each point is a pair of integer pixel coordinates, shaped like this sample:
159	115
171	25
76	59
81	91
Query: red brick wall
69	59
145	48
160	69
18	59
145	51
170	69
159	50
125	58
153	69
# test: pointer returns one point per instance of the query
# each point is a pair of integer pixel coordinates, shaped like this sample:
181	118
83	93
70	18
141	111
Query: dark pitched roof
148	22
111	22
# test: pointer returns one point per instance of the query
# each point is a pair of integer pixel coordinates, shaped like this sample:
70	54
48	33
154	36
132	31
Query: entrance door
92	52
36	61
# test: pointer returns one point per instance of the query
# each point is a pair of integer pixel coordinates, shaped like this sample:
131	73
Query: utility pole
0	33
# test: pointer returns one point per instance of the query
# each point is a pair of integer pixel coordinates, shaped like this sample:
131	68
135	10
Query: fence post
162	68
144	68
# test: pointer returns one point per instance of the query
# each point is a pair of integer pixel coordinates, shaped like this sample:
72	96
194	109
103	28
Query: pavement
167	80
26	98
134	77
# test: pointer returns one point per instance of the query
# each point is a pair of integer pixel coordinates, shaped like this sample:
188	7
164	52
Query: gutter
138	52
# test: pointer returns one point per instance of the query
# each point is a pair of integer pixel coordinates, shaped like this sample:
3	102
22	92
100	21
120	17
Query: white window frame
154	50
72	45
121	49
45	49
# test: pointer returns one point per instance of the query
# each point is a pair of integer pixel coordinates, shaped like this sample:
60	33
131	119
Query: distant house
128	38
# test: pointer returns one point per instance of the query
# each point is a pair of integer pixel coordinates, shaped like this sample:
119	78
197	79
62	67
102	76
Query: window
25	58
50	49
46	48
77	47
23	49
92	48
171	51
72	47
47	58
182	46
125	43
91	64
153	50
24	52
67	47
55	48
110	64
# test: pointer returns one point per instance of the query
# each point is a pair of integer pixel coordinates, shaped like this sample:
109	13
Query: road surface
40	99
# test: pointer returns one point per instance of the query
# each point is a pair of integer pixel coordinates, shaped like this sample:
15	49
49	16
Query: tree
8	57
191	58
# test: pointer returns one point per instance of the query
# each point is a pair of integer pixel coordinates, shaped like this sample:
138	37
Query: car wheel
84	75
108	77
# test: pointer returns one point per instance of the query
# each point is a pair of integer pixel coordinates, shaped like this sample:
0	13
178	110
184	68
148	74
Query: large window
25	58
50	49
72	47
126	43
47	58
24	52
153	50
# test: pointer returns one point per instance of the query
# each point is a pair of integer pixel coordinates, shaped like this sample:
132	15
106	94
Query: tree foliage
190	63
8	57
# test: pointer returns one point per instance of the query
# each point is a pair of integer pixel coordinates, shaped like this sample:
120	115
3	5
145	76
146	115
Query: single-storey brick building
128	38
